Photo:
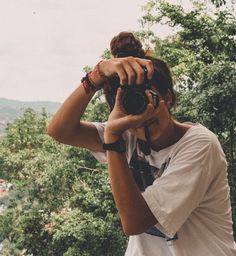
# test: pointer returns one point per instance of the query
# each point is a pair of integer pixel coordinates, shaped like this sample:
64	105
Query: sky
44	44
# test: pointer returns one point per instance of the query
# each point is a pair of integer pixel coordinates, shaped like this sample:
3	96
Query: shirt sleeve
176	194
100	156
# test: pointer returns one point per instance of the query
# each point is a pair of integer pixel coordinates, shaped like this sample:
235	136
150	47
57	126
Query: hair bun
125	44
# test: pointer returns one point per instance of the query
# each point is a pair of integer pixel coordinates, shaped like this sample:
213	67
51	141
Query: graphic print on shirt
144	173
159	171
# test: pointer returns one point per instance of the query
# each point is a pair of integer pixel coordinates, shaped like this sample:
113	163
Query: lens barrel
134	99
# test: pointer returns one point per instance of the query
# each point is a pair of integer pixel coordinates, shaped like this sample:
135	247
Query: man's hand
118	121
129	69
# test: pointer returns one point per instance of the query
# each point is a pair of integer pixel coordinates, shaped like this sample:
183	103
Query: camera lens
134	100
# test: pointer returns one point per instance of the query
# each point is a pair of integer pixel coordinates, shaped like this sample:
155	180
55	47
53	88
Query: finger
140	74
118	97
131	74
121	73
138	120
148	111
118	100
131	121
161	108
149	66
149	97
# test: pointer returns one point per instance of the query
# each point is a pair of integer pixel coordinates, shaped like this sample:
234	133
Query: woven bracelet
88	85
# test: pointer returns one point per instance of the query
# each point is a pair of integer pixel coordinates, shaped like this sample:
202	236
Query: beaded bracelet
88	85
87	82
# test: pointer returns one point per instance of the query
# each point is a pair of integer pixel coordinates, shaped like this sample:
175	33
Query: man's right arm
66	126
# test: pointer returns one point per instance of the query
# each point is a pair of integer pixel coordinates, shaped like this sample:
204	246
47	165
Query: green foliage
216	97
201	38
99	109
87	69
20	135
106	54
60	202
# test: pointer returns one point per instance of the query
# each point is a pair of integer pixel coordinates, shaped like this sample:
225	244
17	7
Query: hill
12	109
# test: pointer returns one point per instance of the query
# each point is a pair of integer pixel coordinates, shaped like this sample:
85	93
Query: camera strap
145	146
144	175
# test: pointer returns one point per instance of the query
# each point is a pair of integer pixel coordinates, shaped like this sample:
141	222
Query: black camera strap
144	175
145	146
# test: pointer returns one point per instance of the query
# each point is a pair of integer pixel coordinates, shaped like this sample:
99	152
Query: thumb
118	97
118	100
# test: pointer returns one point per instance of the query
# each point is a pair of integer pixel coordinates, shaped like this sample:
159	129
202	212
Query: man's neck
174	133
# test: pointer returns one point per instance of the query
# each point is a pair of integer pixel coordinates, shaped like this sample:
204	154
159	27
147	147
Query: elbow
51	130
132	230
54	132
129	232
135	226
60	133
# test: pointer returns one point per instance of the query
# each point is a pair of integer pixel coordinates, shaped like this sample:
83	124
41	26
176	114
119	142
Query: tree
61	201
201	54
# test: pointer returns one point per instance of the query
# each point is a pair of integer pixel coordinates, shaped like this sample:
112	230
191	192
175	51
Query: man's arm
66	126
135	214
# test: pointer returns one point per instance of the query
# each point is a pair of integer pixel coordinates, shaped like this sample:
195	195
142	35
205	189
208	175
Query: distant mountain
12	109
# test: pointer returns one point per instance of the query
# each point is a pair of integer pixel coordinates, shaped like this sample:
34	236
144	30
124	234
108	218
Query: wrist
96	80
118	146
88	84
97	76
111	138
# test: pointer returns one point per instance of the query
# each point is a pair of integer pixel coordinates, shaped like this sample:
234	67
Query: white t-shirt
190	198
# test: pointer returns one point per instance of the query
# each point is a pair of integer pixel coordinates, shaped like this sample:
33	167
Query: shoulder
198	143
199	135
208	136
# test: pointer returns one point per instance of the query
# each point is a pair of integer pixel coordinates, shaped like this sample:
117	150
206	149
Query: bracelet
99	72
88	85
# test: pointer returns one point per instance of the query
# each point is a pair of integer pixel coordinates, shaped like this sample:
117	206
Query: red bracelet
88	85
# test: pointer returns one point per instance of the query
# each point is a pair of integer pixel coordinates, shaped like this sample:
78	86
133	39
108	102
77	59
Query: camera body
134	99
142	172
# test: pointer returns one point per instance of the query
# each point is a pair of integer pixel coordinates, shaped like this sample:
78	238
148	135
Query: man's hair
125	44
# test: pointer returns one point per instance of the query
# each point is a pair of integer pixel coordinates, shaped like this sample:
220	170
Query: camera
143	172
134	100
